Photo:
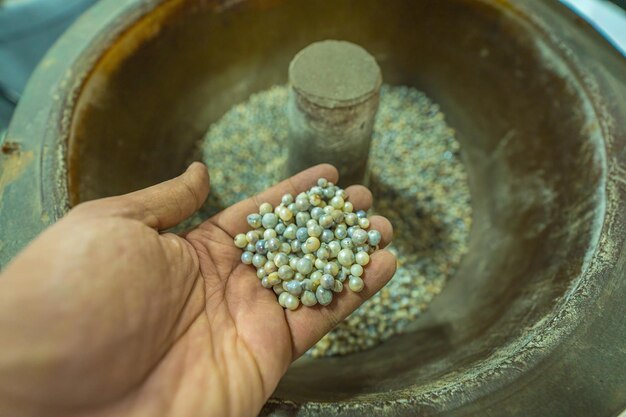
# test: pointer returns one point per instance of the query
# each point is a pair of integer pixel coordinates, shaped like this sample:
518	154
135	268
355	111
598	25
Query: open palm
104	315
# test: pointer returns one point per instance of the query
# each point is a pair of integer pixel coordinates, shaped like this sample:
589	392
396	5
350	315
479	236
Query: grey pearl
254	220
302	234
246	257
341	232
324	296
308	299
280	228
316	212
261	247
258	260
359	236
273	244
269	220
285	272
327	281
361	214
327	236
294	287
374	237
290	231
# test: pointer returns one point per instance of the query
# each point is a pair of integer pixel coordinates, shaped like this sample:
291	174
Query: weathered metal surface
532	323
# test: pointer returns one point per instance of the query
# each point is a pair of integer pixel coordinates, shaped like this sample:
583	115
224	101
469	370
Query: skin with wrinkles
106	315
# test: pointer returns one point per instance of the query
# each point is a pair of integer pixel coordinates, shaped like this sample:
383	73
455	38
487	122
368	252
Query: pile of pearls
308	247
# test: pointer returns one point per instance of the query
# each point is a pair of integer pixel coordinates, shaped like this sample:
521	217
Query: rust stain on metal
13	164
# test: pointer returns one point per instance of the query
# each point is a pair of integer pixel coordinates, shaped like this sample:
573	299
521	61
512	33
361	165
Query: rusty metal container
533	323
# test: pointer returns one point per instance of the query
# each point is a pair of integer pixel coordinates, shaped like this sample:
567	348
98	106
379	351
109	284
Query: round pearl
329	192
319	264
327	281
293	263
287	199
347	243
285	248
265	283
323	254
292	207
282	297
298	277
315	230
258	260
265	208
246	257
337	216
315	277
324	296
295	246
341	193
302	234
270	267
316	212
308	299
250	247
374	237
310	257
356	284
345	257
341	276
362	258
331	268
290	232
269	233
337	202
305	266
327	236
364	223
350	219
278	289
285	272
329	209
269	220
281	259
322	182
341	232
356	269
315	200
241	241
273	279
284	213
326	221
311	223
261	247
302	203
280	228
359	236
273	244
260	273
312	244
348	207
294	287
302	218
252	236
254	220
291	302
334	247
338	286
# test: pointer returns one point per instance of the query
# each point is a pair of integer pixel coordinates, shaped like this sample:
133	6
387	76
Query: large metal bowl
534	320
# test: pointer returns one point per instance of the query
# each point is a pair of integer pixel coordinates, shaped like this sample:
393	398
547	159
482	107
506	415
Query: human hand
106	315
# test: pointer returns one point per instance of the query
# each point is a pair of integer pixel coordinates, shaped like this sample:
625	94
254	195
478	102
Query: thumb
161	206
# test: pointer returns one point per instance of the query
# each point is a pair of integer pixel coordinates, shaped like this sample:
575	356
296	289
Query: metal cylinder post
333	99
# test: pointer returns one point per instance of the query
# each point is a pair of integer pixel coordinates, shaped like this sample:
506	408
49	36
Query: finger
233	219
360	197
385	228
308	325
161	206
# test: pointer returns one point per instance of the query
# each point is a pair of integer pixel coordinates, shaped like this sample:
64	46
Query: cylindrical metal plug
333	99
